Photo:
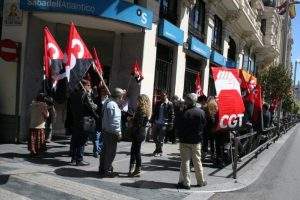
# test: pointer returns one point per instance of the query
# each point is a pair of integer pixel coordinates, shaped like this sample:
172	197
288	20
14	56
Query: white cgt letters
231	121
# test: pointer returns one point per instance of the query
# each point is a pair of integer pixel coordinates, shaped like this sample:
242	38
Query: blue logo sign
112	9
230	63
199	47
218	58
170	32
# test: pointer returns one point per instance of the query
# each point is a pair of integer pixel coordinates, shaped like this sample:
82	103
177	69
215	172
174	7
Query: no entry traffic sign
8	50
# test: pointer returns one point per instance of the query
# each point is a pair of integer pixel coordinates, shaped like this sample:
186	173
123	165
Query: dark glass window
217	35
249	63
193	67
197	19
232	50
269	3
263	26
168	10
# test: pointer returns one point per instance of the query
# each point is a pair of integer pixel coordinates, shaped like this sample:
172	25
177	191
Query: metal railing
256	142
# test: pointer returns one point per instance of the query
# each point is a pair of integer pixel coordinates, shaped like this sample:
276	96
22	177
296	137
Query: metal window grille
163	75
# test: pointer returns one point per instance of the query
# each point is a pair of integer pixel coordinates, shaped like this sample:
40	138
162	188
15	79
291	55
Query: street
280	180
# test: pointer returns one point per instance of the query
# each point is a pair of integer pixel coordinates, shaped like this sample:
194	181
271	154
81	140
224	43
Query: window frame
197	20
217	34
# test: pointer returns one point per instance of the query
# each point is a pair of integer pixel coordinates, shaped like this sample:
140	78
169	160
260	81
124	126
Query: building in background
173	40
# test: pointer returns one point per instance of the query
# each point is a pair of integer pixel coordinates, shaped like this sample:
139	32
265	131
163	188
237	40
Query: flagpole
102	79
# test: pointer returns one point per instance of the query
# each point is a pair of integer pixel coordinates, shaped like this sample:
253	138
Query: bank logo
143	16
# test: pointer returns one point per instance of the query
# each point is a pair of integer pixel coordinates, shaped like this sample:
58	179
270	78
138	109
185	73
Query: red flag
136	72
53	59
79	58
198	88
230	103
281	10
274	104
258	102
97	61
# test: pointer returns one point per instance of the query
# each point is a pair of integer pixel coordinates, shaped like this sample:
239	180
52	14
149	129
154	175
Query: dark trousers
171	136
108	153
78	141
205	142
135	154
159	133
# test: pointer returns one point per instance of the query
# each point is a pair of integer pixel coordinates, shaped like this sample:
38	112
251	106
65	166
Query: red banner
258	102
198	88
230	103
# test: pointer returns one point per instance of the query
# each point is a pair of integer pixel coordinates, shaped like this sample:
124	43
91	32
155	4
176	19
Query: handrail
275	134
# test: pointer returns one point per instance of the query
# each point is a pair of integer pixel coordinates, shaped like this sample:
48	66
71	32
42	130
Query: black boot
137	172
131	169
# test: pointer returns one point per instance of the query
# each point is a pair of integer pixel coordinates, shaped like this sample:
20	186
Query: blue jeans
97	142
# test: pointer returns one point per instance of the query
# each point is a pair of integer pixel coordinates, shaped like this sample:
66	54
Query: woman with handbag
138	134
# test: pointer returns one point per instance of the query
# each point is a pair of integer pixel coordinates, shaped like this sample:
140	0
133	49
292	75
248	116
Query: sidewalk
158	180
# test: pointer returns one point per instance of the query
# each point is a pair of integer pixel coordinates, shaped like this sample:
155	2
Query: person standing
138	134
111	128
266	116
84	114
190	137
38	115
163	119
50	119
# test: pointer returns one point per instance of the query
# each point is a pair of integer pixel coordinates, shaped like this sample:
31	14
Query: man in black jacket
190	137
163	119
84	114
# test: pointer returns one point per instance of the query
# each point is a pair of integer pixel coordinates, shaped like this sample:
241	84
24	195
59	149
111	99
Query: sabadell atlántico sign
111	9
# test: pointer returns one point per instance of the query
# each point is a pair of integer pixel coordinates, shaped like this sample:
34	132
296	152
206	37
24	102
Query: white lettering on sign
62	4
226	81
231	121
144	18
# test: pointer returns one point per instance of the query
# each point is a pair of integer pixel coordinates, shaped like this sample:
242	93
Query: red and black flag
97	62
136	72
198	88
288	6
258	103
79	58
53	59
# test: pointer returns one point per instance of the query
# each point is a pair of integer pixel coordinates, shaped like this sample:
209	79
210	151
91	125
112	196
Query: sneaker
182	186
202	185
82	163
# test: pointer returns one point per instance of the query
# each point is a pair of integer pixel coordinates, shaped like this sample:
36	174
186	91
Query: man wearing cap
111	127
190	137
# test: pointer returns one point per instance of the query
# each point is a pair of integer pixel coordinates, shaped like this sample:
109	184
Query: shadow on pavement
124	153
158	165
149	185
47	158
76	173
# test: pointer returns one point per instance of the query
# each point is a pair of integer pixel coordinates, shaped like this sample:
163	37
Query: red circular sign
8	50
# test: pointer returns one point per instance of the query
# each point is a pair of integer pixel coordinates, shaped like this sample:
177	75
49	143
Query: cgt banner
230	103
